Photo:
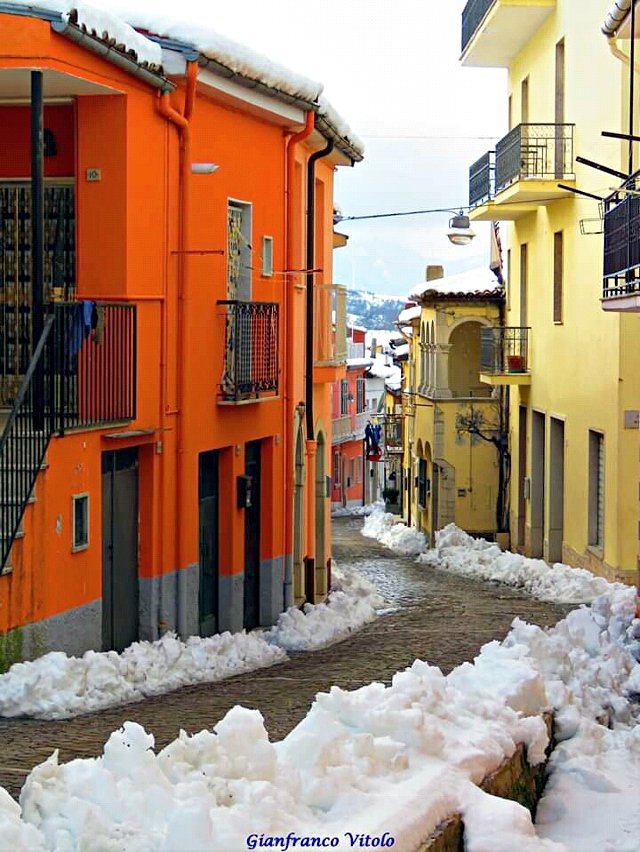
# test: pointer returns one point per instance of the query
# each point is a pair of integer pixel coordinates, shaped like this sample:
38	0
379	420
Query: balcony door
208	512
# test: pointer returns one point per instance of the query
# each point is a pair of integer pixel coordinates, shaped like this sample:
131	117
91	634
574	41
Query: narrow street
431	615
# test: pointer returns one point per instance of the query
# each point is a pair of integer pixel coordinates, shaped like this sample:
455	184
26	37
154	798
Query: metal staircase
24	441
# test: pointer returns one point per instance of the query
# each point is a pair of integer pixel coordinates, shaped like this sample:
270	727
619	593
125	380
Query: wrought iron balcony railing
481	180
330	326
535	151
472	16
504	351
622	241
393	433
251	366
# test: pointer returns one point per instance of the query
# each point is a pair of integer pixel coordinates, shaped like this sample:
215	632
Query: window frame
75	500
267	254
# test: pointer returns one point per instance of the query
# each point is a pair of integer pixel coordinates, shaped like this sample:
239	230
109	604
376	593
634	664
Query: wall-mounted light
204	168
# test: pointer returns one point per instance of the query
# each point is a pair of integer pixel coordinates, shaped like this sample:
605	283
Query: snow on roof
401	351
103	23
118	20
359	362
615	16
409	314
381	370
476	282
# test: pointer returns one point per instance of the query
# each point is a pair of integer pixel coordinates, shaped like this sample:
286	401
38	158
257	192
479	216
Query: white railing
341	429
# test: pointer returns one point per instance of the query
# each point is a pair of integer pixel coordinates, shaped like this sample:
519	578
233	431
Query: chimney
434	272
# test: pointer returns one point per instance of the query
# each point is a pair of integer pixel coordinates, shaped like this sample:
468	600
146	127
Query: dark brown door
208	494
252	540
120	549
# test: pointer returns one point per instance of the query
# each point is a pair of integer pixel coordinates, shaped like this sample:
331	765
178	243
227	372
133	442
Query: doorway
537	483
208	541
522	473
119	549
556	489
252	538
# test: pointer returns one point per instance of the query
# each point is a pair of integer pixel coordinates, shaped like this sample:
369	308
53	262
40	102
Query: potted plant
516	363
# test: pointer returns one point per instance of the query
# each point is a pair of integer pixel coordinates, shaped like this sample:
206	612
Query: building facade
573	491
159	391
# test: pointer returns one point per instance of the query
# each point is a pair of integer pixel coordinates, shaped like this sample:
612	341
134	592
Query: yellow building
574	488
454	422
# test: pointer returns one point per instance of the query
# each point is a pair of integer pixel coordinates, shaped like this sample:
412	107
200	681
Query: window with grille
238	251
360	395
596	489
359	470
344	397
352	472
336	469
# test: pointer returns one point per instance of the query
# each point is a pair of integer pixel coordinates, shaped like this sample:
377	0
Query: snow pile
396	759
56	686
352	603
459	553
356	511
386	528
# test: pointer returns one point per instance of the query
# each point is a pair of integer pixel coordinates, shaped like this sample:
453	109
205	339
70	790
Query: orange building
165	247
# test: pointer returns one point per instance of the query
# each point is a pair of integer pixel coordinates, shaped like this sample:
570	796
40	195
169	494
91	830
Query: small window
80	512
267	256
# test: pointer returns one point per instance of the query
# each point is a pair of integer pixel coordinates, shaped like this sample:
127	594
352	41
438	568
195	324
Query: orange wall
127	239
15	151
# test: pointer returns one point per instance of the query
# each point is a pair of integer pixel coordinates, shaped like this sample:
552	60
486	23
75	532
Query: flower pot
516	363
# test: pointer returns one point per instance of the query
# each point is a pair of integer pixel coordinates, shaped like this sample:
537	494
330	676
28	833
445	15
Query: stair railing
25	438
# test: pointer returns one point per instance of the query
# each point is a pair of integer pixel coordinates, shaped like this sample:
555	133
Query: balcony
523	172
330	327
621	281
393	433
349	427
495	31
251	367
504	356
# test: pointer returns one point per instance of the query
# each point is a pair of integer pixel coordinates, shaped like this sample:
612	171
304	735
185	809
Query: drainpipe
311	443
182	122
290	330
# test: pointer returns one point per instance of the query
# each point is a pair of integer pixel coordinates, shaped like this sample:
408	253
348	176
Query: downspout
311	444
182	122
289	332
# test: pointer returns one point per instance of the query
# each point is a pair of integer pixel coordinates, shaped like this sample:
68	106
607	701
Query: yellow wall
584	370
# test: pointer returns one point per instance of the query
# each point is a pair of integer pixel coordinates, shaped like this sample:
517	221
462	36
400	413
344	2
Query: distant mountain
373	310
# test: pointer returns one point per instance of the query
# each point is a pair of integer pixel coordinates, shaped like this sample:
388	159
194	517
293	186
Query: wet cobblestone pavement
431	615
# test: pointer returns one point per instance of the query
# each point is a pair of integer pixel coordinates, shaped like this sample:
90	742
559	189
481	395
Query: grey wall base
271	590
75	631
231	603
288	581
170	602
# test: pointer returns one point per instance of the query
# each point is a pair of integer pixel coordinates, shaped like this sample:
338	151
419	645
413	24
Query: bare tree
475	423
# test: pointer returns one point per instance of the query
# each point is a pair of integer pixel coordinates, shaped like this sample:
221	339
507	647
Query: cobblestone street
432	615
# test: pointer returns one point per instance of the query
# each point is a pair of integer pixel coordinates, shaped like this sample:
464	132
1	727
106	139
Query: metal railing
535	151
472	16
504	350
622	241
251	365
393	426
481	180
82	374
330	326
95	364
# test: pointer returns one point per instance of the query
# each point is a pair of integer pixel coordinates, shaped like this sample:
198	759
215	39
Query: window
336	469
524	101
80	522
359	470
596	489
238	250
344	397
523	284
267	256
557	276
352	472
424	486
360	395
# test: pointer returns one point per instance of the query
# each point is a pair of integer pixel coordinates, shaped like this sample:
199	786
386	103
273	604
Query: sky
391	69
